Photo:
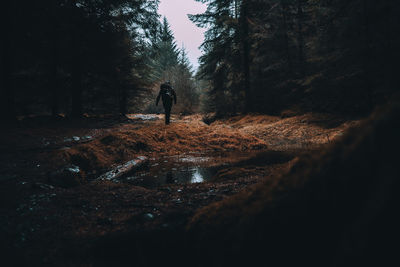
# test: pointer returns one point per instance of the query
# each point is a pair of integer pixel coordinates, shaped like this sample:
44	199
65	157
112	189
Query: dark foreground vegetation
299	128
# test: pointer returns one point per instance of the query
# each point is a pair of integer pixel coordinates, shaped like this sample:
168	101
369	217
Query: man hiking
167	93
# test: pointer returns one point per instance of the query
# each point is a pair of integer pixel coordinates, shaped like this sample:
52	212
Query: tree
245	36
7	104
223	58
185	85
268	55
75	50
163	50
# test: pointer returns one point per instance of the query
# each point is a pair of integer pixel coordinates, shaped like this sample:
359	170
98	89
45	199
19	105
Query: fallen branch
124	169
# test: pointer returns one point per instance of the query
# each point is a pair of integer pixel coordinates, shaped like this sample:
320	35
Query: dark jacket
167	93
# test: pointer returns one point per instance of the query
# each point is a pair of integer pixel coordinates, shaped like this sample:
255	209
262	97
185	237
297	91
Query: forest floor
54	209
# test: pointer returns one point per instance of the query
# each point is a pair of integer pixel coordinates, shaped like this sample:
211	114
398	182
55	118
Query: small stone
43	186
149	216
74	169
69	176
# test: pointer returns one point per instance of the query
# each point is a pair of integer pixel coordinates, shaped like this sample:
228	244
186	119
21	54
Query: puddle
192	168
189	168
146	117
163	176
173	170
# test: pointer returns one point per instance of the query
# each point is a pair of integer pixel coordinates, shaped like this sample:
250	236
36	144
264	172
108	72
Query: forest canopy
304	55
95	56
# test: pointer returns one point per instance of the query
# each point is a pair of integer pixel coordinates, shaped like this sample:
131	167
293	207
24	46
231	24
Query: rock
43	186
69	176
149	216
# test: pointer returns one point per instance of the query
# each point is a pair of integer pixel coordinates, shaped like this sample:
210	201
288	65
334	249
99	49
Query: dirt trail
47	213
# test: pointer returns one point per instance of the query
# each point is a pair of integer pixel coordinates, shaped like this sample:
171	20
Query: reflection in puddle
154	176
197	177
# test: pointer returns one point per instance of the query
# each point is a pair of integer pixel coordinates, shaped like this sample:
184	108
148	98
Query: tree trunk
7	109
54	86
284	10
123	101
76	68
76	90
246	54
300	35
236	9
366	57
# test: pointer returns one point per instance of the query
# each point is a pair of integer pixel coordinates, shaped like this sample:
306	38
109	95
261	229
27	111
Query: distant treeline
302	55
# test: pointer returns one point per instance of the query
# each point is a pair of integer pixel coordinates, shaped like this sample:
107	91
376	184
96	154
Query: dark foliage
71	57
306	55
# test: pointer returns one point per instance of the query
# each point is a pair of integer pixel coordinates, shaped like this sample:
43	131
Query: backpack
167	94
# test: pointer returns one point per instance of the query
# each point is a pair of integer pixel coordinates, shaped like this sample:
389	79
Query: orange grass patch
154	140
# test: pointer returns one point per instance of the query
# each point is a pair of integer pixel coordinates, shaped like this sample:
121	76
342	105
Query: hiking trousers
167	109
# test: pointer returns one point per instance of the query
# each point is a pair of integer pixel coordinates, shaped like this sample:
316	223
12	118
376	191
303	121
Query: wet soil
190	165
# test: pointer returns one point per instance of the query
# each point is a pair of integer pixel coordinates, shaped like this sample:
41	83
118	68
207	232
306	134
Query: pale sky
185	32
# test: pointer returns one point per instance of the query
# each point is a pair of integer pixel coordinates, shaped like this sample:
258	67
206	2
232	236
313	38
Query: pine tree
6	68
222	59
73	50
167	49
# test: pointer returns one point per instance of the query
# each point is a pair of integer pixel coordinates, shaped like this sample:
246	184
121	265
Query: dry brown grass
333	208
157	139
297	132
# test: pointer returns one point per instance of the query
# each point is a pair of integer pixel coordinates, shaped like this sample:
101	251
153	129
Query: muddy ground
54	208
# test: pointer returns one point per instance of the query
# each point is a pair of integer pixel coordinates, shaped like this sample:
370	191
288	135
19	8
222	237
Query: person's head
168	82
